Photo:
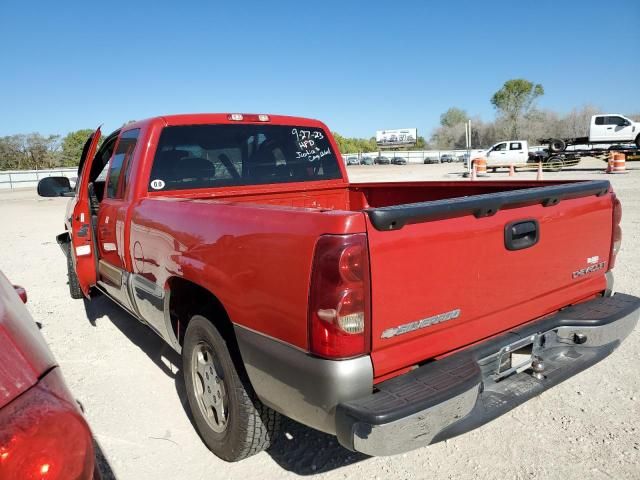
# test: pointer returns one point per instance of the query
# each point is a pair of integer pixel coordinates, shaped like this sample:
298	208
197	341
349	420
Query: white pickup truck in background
611	128
512	152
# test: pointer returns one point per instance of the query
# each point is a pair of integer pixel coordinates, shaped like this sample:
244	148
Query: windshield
205	156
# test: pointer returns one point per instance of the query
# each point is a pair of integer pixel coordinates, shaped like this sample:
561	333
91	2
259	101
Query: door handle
521	234
609	128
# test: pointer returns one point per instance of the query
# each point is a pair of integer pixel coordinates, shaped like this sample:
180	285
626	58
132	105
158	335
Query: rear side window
599	120
117	183
206	156
515	146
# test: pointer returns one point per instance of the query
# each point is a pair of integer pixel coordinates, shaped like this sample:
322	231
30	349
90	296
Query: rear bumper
448	397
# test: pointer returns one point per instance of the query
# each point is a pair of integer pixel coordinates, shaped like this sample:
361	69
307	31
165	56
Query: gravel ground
130	386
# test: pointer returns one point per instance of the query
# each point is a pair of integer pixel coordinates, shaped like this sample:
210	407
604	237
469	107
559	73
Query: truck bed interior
357	197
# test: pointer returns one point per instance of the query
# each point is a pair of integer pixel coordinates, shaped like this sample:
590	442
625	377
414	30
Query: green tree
72	145
452	117
515	100
354	145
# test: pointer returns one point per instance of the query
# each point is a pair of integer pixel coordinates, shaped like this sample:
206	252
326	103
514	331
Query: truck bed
437	249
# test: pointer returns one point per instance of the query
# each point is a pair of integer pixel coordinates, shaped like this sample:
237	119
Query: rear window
206	156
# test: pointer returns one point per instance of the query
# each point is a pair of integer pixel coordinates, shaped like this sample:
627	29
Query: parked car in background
353	161
448	158
399	161
382	161
462	158
366	161
43	434
431	160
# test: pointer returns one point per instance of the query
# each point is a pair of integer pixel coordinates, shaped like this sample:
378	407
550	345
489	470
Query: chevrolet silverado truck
367	311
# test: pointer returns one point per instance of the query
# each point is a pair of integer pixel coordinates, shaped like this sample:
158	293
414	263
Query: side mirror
55	187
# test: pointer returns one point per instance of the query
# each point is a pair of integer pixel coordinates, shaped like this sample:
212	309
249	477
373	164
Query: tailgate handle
521	234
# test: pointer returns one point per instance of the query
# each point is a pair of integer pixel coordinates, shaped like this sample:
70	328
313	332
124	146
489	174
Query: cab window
116	181
617	121
500	147
515	146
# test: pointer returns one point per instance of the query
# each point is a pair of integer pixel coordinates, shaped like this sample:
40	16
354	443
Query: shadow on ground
298	449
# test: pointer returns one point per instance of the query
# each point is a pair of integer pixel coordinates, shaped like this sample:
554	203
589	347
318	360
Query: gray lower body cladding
301	386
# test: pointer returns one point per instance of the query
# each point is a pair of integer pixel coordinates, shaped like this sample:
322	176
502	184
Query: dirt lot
128	382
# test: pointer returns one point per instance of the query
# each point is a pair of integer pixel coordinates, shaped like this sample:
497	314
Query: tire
556	145
74	285
638	141
554	164
231	421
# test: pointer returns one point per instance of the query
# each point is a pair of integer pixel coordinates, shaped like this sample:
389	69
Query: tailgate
445	274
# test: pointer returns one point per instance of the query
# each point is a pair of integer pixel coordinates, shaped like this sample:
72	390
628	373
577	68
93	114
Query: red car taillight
339	310
616	233
43	435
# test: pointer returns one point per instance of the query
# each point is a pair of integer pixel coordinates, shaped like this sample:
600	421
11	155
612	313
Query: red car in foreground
43	434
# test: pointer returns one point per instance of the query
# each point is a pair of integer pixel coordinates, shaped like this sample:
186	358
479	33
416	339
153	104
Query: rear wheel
638	141
556	145
554	164
231	420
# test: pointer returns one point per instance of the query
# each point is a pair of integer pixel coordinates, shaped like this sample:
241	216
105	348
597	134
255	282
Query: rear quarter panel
256	259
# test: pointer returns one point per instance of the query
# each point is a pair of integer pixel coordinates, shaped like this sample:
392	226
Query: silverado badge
425	322
594	266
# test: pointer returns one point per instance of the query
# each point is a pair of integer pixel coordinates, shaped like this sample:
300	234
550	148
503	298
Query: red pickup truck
392	315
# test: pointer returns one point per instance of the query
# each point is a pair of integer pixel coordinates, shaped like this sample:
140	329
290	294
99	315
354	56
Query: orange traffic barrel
618	163
481	166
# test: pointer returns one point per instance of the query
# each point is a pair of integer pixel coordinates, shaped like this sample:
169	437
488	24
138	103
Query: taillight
616	232
43	435
339	317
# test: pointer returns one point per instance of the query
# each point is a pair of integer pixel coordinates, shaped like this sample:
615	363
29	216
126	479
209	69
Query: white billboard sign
401	136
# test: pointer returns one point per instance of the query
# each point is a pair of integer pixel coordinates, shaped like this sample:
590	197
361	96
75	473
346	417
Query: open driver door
83	240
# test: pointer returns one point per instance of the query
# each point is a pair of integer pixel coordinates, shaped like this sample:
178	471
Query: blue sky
358	66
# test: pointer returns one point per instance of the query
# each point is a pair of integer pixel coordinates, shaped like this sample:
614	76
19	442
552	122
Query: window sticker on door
157	184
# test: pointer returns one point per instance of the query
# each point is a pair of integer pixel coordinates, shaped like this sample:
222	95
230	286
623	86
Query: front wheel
231	420
638	141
